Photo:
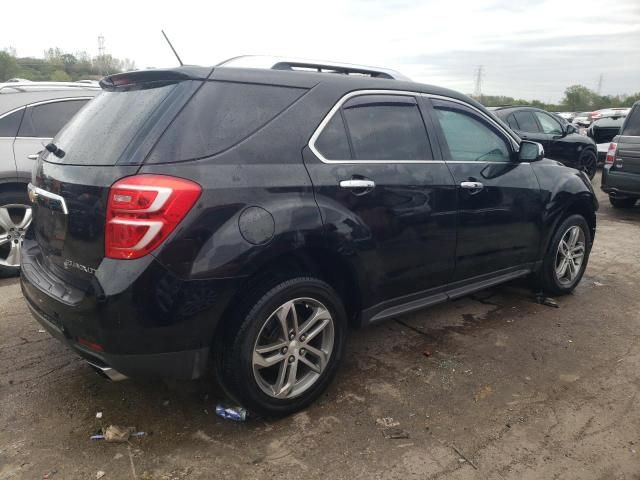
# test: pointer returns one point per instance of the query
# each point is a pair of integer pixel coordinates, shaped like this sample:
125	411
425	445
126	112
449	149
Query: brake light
595	114
611	153
143	210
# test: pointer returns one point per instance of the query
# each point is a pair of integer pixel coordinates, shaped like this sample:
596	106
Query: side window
469	138
549	124
511	120
9	124
46	120
527	122
332	142
386	127
631	125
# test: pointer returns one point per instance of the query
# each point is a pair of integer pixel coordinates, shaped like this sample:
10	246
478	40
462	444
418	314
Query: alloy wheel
570	255
293	348
14	222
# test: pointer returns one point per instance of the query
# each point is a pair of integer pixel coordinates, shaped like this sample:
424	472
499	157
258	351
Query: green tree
579	98
8	66
60	76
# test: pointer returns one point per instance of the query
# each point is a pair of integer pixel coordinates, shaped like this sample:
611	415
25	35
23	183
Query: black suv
621	174
560	139
250	216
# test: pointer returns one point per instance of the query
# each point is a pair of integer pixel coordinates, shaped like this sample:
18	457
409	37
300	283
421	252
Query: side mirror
530	151
569	129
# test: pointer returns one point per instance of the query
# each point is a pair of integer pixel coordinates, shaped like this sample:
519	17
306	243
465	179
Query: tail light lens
143	210
611	153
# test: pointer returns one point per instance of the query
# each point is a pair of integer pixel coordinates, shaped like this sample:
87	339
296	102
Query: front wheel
286	347
567	256
589	163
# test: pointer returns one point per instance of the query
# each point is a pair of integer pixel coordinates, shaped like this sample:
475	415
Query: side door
554	147
9	125
499	199
41	122
387	206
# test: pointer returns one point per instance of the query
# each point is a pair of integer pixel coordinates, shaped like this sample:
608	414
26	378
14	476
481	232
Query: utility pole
478	90
600	78
100	53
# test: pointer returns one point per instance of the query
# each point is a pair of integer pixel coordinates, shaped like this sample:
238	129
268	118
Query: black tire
624	202
547	278
11	197
589	162
235	365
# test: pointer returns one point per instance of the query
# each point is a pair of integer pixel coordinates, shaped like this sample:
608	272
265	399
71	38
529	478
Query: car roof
16	95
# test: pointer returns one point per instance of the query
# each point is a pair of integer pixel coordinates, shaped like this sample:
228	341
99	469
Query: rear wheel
286	348
567	257
622	202
589	162
15	218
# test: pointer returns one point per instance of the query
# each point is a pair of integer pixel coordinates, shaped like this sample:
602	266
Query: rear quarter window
9	124
46	120
632	124
219	116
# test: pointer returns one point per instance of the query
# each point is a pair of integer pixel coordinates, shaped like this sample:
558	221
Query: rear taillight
611	153
143	210
595	115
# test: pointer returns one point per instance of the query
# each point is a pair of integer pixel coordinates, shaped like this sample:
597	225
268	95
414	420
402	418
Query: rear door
9	125
499	200
528	127
386	204
40	123
628	154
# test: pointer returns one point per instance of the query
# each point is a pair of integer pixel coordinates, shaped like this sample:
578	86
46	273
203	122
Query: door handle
357	183
33	156
472	185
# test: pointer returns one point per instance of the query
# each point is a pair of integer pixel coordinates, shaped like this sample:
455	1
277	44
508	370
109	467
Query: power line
600	78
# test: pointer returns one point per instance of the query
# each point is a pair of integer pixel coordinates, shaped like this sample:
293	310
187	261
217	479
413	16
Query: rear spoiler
153	78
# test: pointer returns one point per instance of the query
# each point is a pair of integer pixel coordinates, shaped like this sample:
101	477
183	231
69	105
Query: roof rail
14	87
298	64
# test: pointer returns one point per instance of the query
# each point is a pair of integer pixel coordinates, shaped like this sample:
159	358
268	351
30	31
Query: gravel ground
520	390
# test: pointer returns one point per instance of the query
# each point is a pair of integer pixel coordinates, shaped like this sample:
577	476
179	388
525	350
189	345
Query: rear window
219	116
9	124
632	125
46	120
100	132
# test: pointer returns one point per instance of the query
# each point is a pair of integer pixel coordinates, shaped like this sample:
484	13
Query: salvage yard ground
521	390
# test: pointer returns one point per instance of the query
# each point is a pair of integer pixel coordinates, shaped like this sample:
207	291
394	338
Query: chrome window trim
319	129
55	100
6	114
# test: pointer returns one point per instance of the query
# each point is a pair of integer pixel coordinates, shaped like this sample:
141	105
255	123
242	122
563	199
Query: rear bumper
620	184
139	319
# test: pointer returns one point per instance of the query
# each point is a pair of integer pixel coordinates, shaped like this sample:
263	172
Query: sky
527	48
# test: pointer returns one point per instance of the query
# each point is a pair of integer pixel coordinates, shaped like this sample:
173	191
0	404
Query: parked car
31	114
621	174
249	216
610	112
603	130
568	116
561	141
583	119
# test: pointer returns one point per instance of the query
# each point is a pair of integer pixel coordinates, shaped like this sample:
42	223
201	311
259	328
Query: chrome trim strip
61	99
318	131
35	192
9	113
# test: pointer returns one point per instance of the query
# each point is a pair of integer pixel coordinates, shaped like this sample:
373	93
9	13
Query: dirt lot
521	390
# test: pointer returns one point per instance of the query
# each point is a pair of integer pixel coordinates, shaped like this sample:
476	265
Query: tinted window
549	124
511	120
9	124
632	124
332	142
386	128
47	120
100	133
527	122
470	139
221	115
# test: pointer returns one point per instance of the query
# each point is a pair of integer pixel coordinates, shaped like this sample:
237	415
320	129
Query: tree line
59	66
577	98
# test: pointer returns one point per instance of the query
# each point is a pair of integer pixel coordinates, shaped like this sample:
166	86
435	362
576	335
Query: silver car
31	114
